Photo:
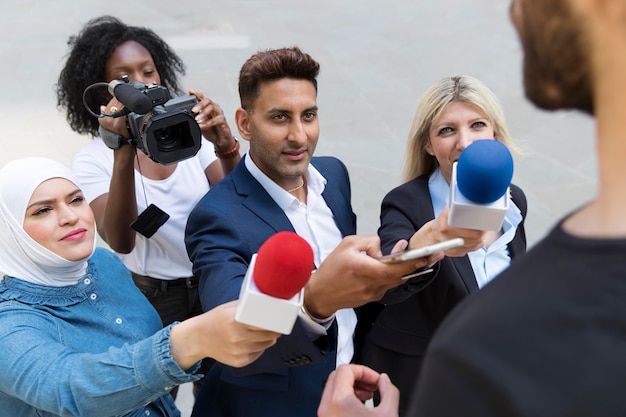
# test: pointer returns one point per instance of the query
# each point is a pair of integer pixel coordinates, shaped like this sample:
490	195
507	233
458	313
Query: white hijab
20	256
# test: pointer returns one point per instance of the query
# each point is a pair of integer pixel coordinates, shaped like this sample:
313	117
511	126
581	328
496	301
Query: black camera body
162	127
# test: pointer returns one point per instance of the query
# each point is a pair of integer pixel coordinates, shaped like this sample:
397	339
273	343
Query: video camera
164	128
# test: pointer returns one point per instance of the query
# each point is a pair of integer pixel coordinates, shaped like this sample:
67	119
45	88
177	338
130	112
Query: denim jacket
96	348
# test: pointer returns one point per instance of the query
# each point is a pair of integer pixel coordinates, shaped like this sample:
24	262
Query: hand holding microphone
438	230
272	291
216	334
479	186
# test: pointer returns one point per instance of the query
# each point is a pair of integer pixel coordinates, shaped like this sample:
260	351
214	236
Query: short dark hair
86	63
274	64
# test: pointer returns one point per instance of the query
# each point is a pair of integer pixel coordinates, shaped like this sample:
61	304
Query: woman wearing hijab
77	336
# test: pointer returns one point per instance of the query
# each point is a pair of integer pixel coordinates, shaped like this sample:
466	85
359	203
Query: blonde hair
463	88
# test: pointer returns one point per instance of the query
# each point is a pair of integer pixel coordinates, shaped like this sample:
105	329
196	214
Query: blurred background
376	60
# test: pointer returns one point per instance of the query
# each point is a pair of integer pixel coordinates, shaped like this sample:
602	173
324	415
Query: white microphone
273	289
479	186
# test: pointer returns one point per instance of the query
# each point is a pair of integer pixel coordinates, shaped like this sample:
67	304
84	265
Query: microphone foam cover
283	265
484	171
132	98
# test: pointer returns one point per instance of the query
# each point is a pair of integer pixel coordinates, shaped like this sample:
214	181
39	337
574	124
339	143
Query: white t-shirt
164	254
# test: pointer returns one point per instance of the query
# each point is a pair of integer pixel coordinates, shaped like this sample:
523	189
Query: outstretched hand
438	230
352	276
349	386
216	334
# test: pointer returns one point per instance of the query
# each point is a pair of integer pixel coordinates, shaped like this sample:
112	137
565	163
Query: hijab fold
21	256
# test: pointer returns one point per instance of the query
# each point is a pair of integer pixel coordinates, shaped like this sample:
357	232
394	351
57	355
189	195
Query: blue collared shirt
96	348
488	262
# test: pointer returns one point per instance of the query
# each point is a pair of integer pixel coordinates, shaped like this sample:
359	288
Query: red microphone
272	291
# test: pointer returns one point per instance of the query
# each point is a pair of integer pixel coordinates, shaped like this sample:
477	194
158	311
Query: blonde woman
453	113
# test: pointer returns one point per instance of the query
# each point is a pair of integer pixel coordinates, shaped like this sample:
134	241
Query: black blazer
393	335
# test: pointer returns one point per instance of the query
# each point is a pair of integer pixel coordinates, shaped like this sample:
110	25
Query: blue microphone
479	186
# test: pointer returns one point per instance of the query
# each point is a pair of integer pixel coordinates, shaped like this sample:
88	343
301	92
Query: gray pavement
376	58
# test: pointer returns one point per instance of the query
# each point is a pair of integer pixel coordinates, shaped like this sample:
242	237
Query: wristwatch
111	139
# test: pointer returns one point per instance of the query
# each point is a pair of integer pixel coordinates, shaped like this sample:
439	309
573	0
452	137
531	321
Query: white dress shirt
314	222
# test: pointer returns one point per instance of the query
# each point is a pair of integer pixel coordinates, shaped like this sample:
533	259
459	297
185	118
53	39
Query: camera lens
170	138
168	135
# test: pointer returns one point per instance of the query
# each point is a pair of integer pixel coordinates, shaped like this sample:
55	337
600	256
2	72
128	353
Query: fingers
210	117
250	352
246	350
364	376
256	334
384	275
365	382
370	244
389	397
349	386
230	342
198	95
323	409
438	230
208	112
400	245
364	277
434	258
113	124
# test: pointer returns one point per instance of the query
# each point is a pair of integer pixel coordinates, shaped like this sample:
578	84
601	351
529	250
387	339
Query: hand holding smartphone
421	252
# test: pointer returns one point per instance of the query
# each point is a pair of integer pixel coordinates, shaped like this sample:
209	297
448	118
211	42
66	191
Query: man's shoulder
333	170
327	161
226	186
220	195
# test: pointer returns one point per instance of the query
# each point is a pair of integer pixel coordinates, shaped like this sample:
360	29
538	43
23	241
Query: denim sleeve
40	371
157	371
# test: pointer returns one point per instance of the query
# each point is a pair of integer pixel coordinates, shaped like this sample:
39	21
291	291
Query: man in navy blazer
280	186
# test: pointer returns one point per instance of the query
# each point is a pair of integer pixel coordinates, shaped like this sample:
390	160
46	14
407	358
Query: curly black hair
86	62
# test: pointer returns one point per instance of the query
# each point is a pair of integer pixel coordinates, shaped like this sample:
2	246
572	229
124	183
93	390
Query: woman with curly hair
125	187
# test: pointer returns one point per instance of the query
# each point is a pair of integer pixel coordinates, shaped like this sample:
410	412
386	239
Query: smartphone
421	252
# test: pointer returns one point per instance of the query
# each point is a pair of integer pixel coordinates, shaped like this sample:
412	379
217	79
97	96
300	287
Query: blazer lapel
337	202
461	264
466	273
340	209
258	201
